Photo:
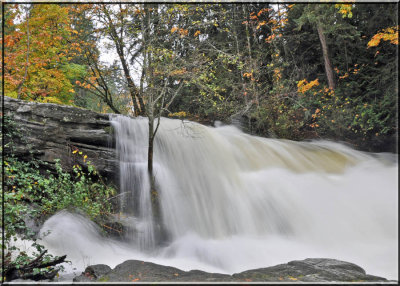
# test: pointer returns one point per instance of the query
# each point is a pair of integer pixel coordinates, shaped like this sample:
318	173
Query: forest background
293	71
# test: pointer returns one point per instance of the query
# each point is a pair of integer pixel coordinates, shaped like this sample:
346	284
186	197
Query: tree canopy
295	71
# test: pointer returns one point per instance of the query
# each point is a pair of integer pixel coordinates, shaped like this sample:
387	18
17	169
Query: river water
232	202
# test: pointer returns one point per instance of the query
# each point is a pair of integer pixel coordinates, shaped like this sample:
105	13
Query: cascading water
134	180
232	201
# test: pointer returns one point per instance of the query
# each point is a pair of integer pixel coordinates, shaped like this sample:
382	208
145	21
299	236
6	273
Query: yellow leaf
197	33
376	39
174	29
73	152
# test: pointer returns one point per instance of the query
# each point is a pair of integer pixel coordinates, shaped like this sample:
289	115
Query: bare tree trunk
27	55
328	66
150	149
155	204
152	113
139	108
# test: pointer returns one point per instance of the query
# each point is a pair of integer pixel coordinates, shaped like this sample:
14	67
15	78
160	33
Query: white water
233	202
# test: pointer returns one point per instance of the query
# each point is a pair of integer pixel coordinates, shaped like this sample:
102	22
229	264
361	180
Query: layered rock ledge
308	270
52	131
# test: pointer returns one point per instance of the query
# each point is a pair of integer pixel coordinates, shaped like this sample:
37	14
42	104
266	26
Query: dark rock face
141	271
308	270
53	131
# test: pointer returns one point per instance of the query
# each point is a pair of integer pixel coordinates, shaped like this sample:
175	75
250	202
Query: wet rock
114	229
308	270
93	272
98	270
84	278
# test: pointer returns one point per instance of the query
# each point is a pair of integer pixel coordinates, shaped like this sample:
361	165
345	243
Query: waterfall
231	201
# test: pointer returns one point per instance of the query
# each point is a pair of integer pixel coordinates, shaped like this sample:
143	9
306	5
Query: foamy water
232	202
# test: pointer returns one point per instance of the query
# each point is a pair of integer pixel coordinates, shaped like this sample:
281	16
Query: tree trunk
150	150
160	233
328	66
139	108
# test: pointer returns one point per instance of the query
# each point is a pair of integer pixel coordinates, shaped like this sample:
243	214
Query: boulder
308	270
93	272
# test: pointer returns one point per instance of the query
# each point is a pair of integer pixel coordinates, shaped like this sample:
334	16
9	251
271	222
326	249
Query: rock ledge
52	131
308	270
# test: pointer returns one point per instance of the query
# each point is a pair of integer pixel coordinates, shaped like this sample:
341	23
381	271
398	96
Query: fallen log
13	271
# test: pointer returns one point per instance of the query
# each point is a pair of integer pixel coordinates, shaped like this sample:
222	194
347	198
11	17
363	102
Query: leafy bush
54	192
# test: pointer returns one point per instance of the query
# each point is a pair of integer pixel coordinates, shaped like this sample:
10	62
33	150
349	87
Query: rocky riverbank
308	270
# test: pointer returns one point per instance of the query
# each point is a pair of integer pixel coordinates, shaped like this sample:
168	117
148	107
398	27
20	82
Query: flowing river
232	202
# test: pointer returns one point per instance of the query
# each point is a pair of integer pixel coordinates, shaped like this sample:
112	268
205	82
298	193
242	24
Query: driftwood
26	271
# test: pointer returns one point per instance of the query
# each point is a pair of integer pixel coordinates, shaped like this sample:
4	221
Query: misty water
232	202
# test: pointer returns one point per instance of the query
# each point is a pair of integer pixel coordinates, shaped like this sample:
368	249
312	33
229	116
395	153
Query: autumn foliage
38	53
390	34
